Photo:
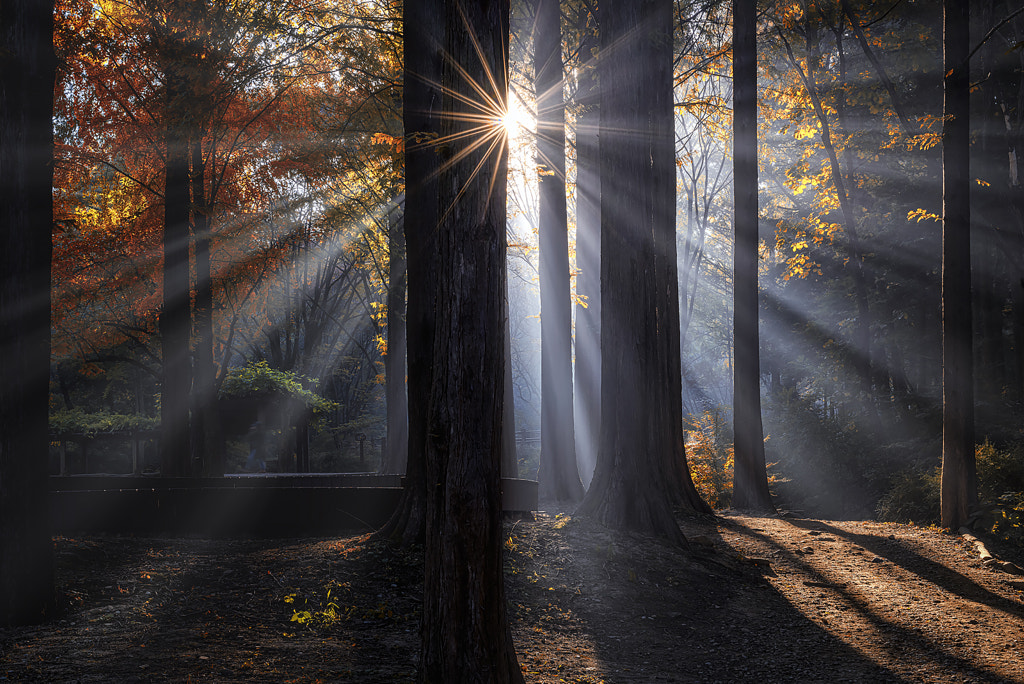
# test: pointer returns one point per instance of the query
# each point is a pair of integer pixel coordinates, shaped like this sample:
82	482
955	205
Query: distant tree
632	487
465	630
959	486
587	371
423	36
558	474
750	480
27	72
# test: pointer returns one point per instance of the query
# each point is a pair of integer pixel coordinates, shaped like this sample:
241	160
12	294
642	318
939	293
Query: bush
709	453
79	422
913	496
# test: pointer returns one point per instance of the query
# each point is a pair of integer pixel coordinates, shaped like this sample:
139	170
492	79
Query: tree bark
958	484
423	34
27	73
175	316
394	363
629	488
587	377
558	476
750	479
465	631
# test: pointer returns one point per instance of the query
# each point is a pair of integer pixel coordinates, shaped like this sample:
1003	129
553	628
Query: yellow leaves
982	183
806	131
918	215
397	144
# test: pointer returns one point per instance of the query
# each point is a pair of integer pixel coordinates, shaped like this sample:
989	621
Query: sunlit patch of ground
751	600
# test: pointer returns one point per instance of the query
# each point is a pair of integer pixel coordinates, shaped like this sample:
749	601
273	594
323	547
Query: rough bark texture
27	70
423	33
958	487
465	630
587	377
750	480
207	447
629	488
558	475
175	316
397	400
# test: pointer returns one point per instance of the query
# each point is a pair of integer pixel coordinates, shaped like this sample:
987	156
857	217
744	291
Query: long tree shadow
898	640
898	553
654	612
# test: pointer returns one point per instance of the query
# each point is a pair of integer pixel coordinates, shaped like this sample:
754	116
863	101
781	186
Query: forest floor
751	600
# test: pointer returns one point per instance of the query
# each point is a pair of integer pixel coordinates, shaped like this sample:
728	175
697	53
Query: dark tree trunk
629	488
750	480
27	72
394	368
958	487
587	377
423	33
557	475
465	631
207	449
175	316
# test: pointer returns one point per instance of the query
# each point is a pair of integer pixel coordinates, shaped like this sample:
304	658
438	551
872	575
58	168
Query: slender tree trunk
629	488
558	475
750	480
423	34
27	72
394	363
958	486
465	631
175	316
206	446
587	376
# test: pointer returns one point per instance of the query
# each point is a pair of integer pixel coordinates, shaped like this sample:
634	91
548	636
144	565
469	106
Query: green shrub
79	422
913	496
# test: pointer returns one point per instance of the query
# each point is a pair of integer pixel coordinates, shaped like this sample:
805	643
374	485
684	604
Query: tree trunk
750	479
958	486
175	316
423	33
629	488
587	378
465	631
557	475
27	72
394	363
207	448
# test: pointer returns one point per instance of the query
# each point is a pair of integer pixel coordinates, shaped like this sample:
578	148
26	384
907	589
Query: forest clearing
754	600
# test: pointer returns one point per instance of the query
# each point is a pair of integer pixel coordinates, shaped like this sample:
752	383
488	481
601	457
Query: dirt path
752	600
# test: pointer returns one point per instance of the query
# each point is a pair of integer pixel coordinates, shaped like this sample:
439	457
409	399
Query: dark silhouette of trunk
750	479
423	32
465	630
27	72
175	316
587	378
394	363
558	476
958	486
207	449
629	489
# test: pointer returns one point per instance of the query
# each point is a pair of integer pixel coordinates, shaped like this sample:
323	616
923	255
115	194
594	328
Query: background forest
289	192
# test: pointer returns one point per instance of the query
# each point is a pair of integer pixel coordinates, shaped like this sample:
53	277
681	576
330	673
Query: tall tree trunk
587	377
175	316
557	475
750	480
629	488
958	486
394	364
206	446
423	34
27	72
465	631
